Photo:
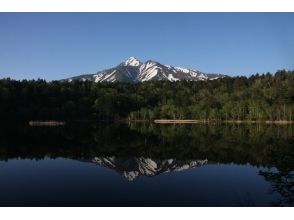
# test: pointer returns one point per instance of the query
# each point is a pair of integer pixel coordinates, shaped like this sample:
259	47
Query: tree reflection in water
264	146
282	182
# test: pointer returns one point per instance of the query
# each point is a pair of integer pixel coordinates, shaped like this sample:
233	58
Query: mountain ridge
132	70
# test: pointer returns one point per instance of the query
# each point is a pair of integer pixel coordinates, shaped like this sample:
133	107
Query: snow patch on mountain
184	70
132	61
172	78
148	75
98	77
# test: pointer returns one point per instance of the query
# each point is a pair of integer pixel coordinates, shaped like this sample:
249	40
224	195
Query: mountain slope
133	70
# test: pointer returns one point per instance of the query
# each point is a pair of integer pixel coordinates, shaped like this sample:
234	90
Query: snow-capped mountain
133	70
135	167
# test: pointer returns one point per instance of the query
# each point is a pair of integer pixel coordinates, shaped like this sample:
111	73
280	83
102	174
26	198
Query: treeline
257	98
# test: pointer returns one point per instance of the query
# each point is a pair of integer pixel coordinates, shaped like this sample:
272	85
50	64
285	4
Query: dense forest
256	98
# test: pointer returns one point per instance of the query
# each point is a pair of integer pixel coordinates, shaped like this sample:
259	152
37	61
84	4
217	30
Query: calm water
146	165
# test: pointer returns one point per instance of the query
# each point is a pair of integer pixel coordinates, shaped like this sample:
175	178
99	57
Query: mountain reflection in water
134	167
263	155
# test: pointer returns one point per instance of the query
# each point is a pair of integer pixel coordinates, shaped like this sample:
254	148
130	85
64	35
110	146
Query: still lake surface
145	164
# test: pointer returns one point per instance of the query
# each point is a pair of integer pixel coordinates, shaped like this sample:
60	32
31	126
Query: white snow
202	77
172	78
130	175
184	167
185	70
146	66
98	77
214	78
145	76
109	77
132	61
193	74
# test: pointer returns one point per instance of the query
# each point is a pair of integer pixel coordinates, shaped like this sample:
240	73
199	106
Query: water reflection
143	150
134	167
283	183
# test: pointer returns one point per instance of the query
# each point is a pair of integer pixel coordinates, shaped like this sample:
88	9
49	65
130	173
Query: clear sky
59	45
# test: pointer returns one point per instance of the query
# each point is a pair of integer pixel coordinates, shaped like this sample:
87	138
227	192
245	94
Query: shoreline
191	121
162	121
46	123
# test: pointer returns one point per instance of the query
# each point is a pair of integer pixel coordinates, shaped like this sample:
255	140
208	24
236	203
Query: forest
260	97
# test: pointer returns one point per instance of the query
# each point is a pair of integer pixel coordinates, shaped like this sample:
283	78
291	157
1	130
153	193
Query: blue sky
59	45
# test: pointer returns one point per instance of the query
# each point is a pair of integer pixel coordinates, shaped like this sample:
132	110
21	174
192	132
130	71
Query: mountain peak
133	70
132	61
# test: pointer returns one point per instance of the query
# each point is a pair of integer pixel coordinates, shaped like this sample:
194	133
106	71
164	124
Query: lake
146	164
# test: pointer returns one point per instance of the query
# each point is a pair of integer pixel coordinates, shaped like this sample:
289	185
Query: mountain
133	70
134	167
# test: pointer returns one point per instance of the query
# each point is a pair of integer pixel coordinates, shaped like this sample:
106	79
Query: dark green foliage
259	144
257	98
